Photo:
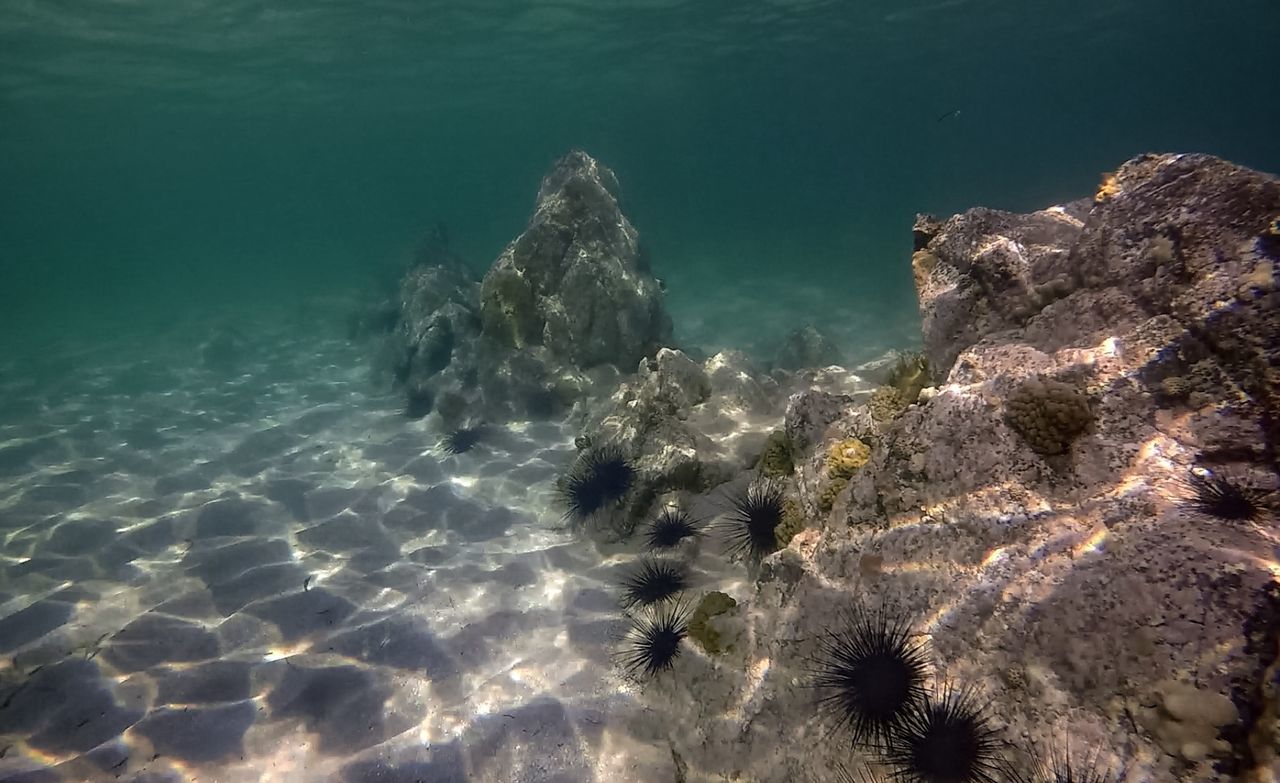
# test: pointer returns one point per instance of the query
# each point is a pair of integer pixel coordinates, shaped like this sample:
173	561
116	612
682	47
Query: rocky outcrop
1036	514
566	304
575	281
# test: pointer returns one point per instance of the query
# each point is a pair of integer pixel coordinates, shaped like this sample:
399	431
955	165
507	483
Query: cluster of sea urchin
870	675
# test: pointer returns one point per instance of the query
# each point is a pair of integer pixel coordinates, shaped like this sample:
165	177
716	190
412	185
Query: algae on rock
776	460
702	630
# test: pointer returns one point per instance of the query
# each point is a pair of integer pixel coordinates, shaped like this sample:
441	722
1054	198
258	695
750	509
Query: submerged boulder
565	304
1078	536
575	281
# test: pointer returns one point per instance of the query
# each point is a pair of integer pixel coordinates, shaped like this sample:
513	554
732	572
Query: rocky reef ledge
1077	522
1061	513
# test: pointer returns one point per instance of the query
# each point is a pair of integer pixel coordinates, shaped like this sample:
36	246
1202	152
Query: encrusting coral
845	457
1048	414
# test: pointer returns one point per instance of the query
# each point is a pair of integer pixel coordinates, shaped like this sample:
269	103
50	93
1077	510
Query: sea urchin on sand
655	580
462	439
599	477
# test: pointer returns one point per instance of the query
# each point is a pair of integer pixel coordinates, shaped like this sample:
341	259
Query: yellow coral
1108	189
845	457
1274	227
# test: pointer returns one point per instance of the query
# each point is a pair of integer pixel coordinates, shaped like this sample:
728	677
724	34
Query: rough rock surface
575	281
1079	593
566	304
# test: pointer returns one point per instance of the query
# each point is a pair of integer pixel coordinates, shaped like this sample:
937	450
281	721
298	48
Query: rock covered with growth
1038	514
575	282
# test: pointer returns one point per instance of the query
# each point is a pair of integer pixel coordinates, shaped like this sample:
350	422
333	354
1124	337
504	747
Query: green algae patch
827	498
776	460
792	523
701	629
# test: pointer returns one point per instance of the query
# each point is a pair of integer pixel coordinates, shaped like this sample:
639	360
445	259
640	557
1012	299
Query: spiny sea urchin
1218	496
748	527
598	478
945	740
672	526
654	581
462	439
653	643
870	675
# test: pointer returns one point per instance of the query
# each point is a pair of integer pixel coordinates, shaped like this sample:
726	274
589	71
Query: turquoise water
226	553
159	158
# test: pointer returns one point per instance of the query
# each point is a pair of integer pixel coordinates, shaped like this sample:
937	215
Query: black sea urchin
1220	497
945	741
870	675
672	526
598	478
653	643
462	439
653	582
748	526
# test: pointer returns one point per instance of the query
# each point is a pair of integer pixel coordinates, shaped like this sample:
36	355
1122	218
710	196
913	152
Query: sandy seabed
266	573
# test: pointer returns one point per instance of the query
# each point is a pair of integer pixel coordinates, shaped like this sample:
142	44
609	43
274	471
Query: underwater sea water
248	564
